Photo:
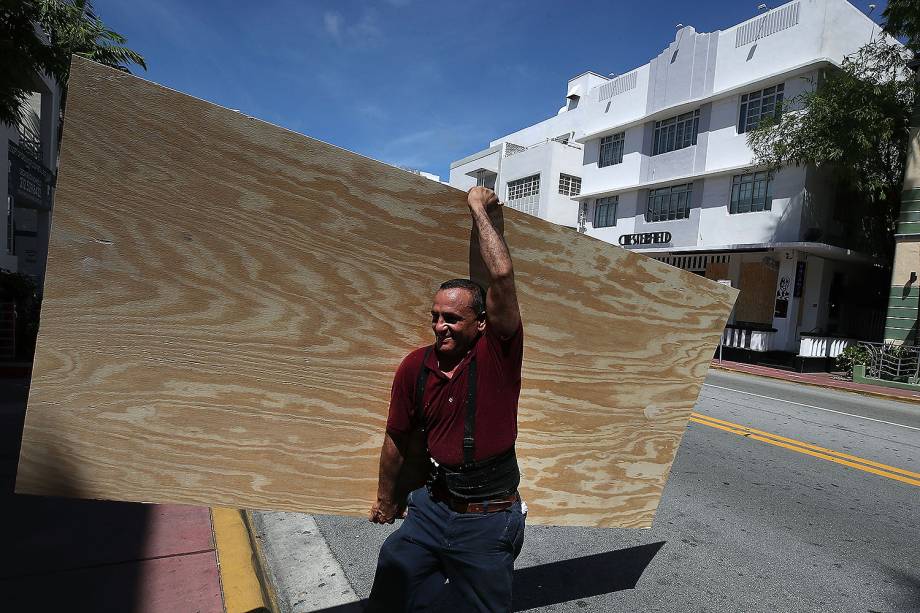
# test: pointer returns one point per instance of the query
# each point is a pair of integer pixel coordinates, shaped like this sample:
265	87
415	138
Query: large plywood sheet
226	302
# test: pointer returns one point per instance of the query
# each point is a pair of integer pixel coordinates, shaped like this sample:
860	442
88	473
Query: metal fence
892	362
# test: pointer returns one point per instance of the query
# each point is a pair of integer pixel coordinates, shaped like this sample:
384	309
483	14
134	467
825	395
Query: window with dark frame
667	203
751	193
611	150
605	212
757	105
569	185
678	132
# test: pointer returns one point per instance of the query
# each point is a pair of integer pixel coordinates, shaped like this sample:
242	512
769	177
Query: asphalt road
745	524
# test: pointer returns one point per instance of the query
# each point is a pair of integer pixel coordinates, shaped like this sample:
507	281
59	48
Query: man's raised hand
481	198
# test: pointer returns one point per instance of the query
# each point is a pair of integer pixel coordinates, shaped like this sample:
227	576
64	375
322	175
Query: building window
605	212
676	132
750	192
611	150
669	203
757	105
569	185
524	194
485	178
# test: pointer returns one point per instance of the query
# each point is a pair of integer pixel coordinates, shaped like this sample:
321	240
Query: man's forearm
492	247
502	310
391	462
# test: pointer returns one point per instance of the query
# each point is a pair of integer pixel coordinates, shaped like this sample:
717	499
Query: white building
656	160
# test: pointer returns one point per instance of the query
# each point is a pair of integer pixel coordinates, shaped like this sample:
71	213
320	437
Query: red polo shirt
498	385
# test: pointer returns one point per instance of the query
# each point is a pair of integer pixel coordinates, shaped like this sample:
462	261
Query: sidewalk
89	555
821	379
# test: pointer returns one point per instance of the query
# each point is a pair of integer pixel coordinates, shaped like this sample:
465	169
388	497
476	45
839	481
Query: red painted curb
779	375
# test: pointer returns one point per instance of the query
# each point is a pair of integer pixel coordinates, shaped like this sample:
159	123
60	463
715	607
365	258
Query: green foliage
855	123
74	29
22	290
71	27
902	19
22	55
856	354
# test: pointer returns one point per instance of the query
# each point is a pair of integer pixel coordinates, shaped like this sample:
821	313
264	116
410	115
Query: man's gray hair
479	294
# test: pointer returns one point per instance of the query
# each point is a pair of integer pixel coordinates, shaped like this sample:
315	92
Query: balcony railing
512	149
752	339
811	346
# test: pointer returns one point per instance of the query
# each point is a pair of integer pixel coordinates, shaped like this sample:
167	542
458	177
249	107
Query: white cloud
361	33
372	111
333	23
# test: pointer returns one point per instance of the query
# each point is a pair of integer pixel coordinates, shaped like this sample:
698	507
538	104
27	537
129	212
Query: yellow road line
838	454
239	574
864	465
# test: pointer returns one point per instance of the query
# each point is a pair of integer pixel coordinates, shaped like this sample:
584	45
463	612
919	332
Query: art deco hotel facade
656	160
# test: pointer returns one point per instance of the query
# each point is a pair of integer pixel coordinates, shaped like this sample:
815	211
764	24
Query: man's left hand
384	512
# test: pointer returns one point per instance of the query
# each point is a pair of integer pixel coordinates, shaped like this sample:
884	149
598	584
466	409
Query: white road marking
811	406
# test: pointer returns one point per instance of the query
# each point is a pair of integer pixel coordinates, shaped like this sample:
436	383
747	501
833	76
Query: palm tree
67	27
74	28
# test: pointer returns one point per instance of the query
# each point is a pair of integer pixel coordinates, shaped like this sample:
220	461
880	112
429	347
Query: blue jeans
475	551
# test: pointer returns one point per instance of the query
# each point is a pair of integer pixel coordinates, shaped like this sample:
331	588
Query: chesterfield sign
647	238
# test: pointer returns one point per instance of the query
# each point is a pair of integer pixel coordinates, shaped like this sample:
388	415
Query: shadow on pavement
67	555
566	580
602	573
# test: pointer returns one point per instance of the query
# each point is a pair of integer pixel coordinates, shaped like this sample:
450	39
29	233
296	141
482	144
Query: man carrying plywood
460	395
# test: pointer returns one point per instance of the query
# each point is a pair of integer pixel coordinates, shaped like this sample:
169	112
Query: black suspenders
420	385
469	425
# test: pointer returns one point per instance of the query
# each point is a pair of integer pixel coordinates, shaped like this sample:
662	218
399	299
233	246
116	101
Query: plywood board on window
758	292
717	270
226	302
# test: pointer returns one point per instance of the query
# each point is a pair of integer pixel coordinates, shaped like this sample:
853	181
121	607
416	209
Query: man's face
455	324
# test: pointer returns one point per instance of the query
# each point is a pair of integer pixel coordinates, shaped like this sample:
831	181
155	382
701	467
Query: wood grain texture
226	303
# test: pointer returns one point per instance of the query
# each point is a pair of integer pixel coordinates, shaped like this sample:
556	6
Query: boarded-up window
758	290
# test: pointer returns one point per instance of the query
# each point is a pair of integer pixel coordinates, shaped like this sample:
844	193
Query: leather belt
480	506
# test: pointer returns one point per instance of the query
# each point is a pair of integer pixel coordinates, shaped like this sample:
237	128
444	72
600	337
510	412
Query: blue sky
410	82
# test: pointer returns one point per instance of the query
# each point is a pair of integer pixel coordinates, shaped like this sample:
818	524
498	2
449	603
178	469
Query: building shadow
563	581
567	580
63	554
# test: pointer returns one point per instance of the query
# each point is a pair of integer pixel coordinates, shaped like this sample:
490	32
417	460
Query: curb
910	399
269	594
243	580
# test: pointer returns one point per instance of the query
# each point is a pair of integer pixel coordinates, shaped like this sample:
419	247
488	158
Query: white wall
625	173
782	223
459	176
726	147
625	107
775	53
556	207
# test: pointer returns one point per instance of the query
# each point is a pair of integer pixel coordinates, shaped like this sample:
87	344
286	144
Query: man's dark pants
476	551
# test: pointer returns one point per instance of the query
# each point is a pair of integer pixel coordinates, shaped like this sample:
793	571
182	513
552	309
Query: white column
786	338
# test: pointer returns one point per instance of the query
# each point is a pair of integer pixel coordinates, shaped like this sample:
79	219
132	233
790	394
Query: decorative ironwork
892	362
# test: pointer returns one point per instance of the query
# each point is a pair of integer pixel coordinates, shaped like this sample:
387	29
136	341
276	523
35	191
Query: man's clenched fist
481	198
